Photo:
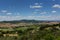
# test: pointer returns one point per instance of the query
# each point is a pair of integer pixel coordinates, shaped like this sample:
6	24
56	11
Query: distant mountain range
29	21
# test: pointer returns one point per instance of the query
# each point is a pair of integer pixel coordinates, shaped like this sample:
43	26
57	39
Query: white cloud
37	12
43	12
56	6
9	18
54	11
9	13
38	3
35	6
48	17
4	11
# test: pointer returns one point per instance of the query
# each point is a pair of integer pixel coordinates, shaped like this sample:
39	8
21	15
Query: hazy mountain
29	21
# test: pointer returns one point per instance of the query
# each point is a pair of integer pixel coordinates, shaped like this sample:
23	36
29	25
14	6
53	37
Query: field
30	31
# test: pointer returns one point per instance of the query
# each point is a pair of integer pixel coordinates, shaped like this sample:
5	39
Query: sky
29	9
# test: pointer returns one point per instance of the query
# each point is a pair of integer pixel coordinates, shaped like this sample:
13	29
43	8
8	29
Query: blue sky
29	9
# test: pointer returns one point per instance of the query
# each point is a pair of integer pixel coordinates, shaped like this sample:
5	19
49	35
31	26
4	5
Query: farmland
30	31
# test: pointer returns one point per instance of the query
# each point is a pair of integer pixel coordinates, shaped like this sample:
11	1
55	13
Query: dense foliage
33	32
